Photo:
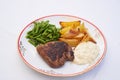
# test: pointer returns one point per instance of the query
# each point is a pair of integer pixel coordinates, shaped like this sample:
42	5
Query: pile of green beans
42	33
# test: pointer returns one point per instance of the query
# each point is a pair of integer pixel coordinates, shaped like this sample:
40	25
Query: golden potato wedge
71	42
70	34
79	36
87	37
69	28
83	29
92	40
64	30
72	23
74	32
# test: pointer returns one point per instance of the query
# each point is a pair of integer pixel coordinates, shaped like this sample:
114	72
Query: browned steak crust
56	53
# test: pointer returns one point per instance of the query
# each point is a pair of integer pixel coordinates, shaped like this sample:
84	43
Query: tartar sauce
86	53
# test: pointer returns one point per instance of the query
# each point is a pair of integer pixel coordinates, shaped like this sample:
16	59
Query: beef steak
55	53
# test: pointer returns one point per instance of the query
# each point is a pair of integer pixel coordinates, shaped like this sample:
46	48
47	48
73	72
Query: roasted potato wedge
74	33
92	40
71	42
82	28
79	36
70	34
87	37
64	30
72	23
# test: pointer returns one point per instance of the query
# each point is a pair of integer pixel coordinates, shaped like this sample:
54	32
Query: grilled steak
55	53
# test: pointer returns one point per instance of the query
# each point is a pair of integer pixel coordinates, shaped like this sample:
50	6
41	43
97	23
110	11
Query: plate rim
63	75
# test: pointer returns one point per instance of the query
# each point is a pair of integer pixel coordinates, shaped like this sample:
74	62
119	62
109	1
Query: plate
30	56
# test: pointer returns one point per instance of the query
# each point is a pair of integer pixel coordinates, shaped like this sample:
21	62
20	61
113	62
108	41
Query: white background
16	14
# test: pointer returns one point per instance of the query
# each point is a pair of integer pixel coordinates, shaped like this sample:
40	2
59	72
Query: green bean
42	33
40	40
32	42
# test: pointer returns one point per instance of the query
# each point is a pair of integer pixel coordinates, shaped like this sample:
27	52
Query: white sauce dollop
86	53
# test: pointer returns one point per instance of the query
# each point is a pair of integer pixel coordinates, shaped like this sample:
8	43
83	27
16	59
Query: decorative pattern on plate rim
50	71
22	48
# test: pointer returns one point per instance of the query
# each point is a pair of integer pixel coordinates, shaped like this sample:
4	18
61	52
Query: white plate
30	56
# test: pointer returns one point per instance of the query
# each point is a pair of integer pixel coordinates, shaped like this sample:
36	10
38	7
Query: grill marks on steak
57	48
56	53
